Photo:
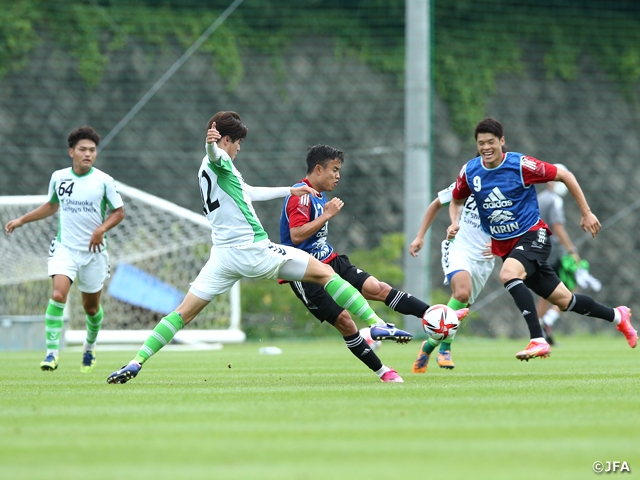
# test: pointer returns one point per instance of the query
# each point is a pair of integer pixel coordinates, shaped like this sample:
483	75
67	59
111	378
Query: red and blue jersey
296	212
507	202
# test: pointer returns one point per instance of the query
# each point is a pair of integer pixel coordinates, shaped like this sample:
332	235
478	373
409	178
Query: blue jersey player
503	185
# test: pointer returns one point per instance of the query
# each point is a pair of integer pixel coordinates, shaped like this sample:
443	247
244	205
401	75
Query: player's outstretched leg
625	326
125	374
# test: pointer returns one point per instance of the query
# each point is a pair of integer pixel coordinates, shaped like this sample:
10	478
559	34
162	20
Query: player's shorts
455	258
88	270
316	298
227	265
532	251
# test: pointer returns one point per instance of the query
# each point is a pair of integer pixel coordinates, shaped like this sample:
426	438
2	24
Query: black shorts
316	298
532	251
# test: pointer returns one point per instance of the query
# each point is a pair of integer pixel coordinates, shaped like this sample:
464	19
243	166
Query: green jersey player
81	193
241	248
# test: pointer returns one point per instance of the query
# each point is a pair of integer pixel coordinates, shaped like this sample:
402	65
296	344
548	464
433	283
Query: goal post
154	253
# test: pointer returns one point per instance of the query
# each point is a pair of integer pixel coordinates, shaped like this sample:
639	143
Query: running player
467	263
304	224
79	251
241	248
508	209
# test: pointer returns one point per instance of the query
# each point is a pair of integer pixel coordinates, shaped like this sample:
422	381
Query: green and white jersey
227	201
83	204
470	237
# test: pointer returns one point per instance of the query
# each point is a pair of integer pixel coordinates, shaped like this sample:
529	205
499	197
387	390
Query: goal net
154	253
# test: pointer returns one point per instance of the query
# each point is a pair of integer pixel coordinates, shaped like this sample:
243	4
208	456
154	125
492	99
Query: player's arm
97	238
215	157
589	222
43	211
429	216
260	194
300	233
460	192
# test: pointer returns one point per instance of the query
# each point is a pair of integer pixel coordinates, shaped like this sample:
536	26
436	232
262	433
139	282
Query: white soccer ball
440	322
366	334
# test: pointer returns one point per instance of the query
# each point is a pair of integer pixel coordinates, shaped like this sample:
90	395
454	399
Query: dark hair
489	125
83	133
322	155
229	123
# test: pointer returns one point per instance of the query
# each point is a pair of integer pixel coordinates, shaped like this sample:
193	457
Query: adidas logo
496	200
526	312
519	247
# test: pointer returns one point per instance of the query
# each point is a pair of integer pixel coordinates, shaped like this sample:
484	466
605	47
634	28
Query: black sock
405	303
524	301
585	305
363	352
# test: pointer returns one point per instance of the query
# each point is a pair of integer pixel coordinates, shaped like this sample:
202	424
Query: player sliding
508	207
304	224
241	248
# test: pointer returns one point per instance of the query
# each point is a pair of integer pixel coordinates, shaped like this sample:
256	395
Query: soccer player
304	224
467	264
241	248
508	209
79	251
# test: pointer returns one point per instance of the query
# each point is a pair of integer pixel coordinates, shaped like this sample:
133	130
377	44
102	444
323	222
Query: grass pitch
315	412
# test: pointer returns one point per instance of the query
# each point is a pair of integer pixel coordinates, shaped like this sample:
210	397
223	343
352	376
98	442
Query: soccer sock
363	352
550	317
349	298
430	345
165	330
455	305
93	327
53	322
405	303
525	303
585	305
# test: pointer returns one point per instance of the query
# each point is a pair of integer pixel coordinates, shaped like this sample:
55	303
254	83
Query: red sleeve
298	210
537	171
461	190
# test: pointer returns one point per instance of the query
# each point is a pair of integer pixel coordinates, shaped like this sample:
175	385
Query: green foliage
270	310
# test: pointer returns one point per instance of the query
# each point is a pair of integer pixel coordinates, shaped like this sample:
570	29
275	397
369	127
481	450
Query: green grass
315	412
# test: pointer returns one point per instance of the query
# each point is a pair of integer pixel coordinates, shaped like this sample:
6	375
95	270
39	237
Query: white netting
156	238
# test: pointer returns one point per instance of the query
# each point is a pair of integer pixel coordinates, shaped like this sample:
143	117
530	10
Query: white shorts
227	265
92	269
455	258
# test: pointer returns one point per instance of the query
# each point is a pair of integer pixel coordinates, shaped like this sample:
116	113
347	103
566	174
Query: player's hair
83	133
489	125
322	155
229	123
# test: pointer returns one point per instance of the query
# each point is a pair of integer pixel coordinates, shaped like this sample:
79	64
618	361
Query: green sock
53	322
349	298
165	330
456	305
430	345
93	327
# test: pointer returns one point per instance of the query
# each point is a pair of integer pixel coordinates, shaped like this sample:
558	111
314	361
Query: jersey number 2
209	206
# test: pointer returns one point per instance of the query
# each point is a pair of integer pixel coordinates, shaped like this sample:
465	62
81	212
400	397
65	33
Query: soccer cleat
625	326
88	362
125	374
390	332
421	361
444	360
462	313
50	363
391	377
533	350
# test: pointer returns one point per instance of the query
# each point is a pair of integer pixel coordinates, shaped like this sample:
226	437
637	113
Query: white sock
88	347
55	352
539	340
617	318
382	371
550	317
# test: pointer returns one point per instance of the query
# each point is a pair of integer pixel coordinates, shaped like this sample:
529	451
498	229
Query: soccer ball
366	334
440	322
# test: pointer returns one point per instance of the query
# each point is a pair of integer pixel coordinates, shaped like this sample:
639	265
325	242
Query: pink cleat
533	350
625	326
462	313
391	376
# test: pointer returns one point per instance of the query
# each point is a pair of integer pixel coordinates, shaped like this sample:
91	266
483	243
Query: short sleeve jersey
83	203
552	212
470	236
507	203
227	203
298	211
